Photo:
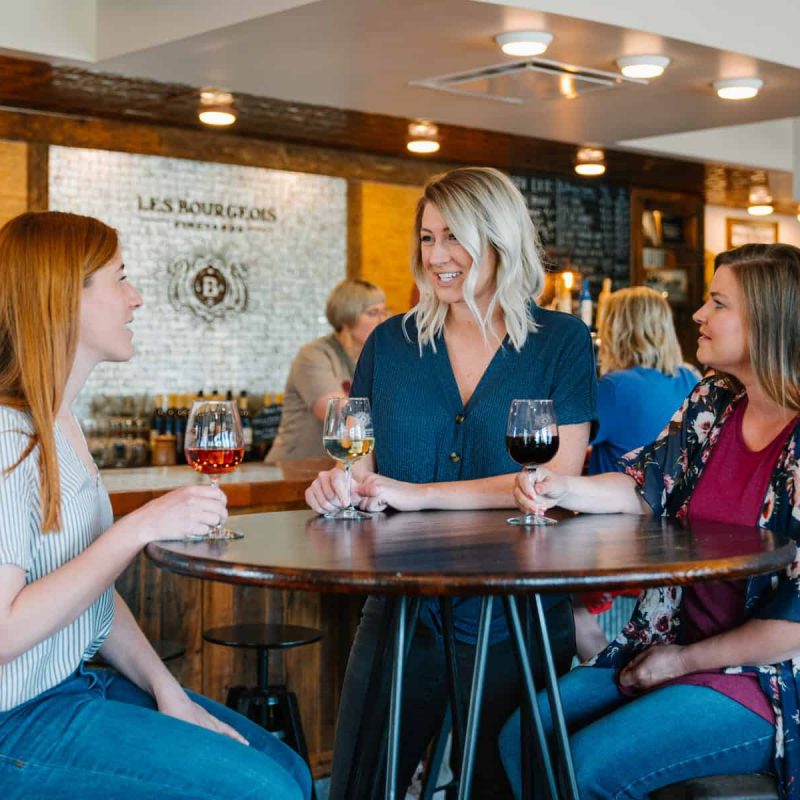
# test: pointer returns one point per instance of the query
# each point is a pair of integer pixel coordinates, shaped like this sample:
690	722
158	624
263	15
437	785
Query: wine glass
347	436
531	439
214	445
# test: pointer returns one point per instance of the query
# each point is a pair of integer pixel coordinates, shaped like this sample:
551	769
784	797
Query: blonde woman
324	368
643	377
65	730
441	380
724	654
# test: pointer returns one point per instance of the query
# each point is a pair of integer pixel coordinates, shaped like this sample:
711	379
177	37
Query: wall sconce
590	162
738	88
216	108
760	201
423	137
643	66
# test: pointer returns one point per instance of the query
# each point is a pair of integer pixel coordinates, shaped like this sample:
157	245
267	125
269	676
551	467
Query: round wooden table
445	553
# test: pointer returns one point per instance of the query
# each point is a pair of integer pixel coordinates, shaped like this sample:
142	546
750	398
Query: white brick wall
291	263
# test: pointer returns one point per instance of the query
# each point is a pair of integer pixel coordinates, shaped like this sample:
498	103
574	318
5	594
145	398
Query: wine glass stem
531	471
347	483
215	483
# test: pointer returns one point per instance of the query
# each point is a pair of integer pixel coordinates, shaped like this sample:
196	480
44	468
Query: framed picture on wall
749	231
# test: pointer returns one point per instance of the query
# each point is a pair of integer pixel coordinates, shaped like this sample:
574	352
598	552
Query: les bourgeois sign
204	282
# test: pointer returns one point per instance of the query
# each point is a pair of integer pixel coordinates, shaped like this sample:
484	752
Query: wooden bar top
252	485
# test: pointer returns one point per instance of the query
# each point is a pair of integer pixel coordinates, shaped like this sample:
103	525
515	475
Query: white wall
715	216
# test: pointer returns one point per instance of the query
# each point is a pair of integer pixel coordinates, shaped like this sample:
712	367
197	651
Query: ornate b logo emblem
208	286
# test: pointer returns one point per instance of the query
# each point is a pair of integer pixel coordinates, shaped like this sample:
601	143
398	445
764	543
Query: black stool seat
721	787
273	707
270	637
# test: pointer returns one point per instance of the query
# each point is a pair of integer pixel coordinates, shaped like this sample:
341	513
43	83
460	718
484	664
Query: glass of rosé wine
214	445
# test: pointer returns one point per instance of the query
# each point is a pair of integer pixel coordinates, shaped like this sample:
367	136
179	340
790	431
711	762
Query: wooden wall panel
13	179
386	221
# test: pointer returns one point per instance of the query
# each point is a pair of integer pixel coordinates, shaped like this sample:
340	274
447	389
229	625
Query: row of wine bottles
171	413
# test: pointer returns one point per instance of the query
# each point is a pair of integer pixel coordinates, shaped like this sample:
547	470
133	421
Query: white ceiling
362	54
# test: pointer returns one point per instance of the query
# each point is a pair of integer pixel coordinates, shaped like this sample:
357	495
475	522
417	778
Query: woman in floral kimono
703	679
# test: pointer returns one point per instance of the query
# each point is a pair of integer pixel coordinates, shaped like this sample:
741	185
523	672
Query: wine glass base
531	520
222	535
347	513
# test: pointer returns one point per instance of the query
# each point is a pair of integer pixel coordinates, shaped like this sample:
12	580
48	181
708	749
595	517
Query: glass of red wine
214	445
531	439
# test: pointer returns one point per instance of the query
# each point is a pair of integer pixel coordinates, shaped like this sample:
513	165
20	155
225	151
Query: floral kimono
666	473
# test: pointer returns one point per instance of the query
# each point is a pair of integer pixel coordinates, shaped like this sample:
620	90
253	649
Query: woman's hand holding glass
347	436
540	490
185	513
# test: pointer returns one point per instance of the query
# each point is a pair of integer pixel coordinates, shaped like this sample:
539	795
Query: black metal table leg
542	639
396	698
476	696
453	681
530	702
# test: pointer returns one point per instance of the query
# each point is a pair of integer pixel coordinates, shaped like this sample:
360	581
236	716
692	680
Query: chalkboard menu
584	226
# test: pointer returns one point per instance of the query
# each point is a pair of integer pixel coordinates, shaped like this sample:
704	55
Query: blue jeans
626	748
96	736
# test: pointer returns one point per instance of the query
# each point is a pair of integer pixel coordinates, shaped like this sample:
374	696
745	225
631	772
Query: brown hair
769	276
638	331
348	299
46	258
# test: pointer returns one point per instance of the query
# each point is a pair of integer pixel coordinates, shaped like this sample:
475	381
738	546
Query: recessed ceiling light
216	108
590	162
643	66
759	201
738	88
524	43
423	137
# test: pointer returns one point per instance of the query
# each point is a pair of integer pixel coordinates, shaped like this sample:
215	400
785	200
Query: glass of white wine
347	435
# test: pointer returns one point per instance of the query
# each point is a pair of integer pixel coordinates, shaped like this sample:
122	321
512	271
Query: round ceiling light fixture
423	137
524	43
738	88
643	66
590	162
759	201
216	108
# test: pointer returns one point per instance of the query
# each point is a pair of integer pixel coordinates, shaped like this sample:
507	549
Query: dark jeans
425	697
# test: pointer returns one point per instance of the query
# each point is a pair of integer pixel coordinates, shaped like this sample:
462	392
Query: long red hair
46	258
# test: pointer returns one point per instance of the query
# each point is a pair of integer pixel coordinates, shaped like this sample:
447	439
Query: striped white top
85	514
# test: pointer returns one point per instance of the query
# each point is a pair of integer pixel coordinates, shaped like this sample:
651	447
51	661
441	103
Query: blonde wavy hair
483	210
769	276
46	259
638	331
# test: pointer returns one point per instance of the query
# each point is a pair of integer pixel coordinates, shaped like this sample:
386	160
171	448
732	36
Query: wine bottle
247	425
585	304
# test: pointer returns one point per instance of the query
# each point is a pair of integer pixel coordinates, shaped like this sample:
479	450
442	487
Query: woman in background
643	382
324	369
67	731
724	655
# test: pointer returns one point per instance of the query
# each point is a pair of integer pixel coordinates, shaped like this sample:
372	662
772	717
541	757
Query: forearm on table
610	493
755	642
127	650
47	605
494	492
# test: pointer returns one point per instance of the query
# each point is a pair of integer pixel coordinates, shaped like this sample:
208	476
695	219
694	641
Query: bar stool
273	707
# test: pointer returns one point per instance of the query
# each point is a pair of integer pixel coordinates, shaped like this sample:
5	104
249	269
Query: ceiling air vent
528	81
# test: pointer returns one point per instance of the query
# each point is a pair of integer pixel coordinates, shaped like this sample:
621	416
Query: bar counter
252	487
176	608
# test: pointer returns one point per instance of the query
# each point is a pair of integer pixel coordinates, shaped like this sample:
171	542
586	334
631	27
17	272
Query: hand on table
536	492
656	665
378	492
328	492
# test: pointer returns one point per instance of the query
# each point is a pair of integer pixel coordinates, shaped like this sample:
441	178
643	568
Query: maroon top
731	489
